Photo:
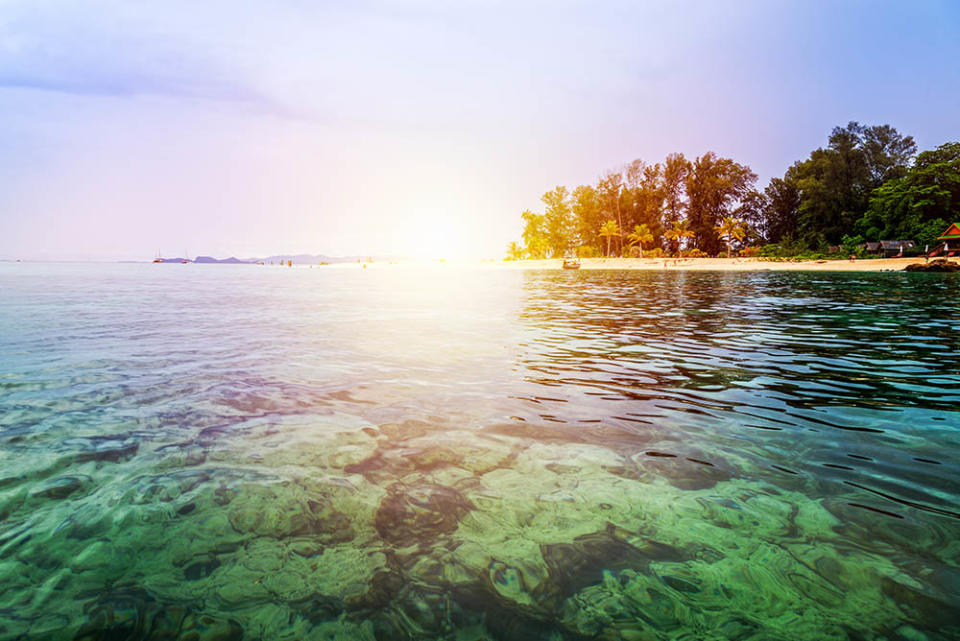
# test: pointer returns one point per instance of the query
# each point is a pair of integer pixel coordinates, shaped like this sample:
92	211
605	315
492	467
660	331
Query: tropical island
866	194
279	259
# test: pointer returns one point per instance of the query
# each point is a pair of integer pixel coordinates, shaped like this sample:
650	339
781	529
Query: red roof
952	233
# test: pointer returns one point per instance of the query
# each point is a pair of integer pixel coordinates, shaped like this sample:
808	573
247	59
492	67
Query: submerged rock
921	606
105	450
935	265
202	627
382	588
419	514
118	616
583	562
136	614
63	487
279	512
200	569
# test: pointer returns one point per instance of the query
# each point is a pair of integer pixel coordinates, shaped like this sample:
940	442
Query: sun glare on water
439	237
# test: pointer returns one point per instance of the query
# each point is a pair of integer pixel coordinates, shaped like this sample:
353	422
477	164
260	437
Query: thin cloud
46	51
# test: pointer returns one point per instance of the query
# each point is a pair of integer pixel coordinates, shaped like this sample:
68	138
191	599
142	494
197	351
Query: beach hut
891	248
870	248
951	240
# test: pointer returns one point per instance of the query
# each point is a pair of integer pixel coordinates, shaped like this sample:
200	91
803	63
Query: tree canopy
867	180
921	203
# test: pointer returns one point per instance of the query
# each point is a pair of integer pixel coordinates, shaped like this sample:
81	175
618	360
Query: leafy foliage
851	245
731	229
515	252
867	181
640	235
920	204
559	223
679	231
608	230
714	186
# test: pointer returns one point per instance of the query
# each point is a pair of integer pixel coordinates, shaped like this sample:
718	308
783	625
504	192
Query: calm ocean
215	452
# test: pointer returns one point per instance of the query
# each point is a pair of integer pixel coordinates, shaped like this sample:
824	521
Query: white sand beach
681	264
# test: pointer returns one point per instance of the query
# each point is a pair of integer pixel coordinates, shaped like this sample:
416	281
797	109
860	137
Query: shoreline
612	264
734	264
664	264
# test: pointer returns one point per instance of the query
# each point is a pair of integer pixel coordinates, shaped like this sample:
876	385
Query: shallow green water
217	452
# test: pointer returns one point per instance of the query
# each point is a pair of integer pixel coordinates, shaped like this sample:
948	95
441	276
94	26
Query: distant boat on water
158	259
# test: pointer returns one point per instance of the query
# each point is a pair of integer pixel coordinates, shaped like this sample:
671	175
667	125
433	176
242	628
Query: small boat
571	263
158	259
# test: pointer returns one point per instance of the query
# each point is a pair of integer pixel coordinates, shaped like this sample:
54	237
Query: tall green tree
640	235
559	224
888	153
633	173
835	183
608	230
752	212
834	186
535	234
588	215
731	229
715	186
643	198
676	168
781	207
515	252
677	232
609	189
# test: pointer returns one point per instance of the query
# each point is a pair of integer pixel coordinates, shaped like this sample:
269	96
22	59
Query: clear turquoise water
220	452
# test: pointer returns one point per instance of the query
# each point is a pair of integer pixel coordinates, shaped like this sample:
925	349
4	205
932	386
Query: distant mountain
298	259
312	259
226	261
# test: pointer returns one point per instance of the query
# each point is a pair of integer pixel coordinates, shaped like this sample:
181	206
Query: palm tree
731	229
609	228
641	234
515	252
681	229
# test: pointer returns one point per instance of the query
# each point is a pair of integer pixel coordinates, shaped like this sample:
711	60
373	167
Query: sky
424	128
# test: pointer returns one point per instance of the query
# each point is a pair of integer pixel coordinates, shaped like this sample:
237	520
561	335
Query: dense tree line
868	183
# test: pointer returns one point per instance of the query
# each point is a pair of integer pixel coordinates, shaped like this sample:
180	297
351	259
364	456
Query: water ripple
239	452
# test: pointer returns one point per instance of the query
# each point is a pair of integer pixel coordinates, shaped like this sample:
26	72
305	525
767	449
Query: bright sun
439	237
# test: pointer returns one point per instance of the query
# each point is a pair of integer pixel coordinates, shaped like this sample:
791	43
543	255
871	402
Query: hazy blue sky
245	128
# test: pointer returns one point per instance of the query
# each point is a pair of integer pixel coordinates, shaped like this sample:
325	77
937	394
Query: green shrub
850	245
808	255
927	232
